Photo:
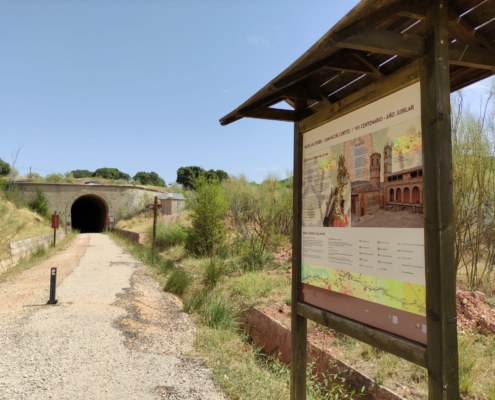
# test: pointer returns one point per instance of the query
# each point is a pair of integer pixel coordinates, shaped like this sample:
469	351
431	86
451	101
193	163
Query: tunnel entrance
89	213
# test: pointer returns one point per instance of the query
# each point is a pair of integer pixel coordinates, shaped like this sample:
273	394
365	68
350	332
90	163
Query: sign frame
440	355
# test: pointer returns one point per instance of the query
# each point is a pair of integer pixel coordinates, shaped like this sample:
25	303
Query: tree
111	173
473	173
149	178
40	203
187	176
207	233
81	173
4	168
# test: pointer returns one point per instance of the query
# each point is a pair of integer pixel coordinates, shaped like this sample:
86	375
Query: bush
54	178
164	265
148	178
69	177
168	234
219	313
254	255
261	216
207	233
40	203
81	173
33	175
195	300
213	271
4	168
111	173
13	195
178	282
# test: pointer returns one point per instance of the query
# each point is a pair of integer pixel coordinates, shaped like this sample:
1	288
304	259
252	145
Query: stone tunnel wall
62	196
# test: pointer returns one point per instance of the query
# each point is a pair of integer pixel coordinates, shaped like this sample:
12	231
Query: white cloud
257	41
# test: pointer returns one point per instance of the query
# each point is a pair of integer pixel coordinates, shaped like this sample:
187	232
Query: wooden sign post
375	91
155	213
55	225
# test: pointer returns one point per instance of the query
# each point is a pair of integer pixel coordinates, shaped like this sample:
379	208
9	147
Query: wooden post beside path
155	210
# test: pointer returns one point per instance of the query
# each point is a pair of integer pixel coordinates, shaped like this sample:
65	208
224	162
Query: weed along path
114	334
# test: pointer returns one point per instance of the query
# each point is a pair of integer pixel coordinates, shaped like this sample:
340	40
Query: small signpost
53	285
55	225
155	207
151	207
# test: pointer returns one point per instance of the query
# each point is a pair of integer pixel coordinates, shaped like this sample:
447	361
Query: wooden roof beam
414	12
355	64
374	70
385	42
277	114
471	56
377	18
465	33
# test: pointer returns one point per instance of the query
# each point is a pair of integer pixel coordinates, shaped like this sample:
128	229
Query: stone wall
23	248
115	197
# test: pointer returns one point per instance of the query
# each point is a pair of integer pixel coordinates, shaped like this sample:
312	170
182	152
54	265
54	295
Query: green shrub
164	265
195	300
54	178
69	177
40	203
13	195
207	233
261	216
254	255
111	173
39	251
33	175
219	313
178	282
4	168
168	234
81	173
214	269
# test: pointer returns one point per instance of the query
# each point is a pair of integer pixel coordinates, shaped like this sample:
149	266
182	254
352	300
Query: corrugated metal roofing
173	196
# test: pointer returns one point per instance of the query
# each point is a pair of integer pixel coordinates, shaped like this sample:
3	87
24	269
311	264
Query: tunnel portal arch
89	213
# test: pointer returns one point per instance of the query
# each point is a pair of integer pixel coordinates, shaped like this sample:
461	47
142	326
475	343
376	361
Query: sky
140	85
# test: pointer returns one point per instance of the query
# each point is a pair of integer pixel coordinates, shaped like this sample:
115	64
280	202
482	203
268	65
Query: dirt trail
113	335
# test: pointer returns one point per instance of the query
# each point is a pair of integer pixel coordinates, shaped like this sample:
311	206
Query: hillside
17	224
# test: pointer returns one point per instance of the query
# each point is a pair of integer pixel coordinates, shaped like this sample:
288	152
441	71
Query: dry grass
38	257
235	366
17	224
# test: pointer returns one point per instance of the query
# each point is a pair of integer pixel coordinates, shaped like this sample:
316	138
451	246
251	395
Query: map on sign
362	216
388	292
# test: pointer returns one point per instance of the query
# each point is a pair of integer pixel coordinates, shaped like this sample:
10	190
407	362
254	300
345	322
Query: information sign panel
362	216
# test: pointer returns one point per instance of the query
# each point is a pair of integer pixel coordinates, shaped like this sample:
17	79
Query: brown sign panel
362	233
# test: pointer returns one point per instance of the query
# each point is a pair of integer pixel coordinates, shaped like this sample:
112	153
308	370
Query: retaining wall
134	237
23	248
274	338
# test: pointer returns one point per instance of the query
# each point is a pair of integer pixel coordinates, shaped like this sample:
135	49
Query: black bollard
53	285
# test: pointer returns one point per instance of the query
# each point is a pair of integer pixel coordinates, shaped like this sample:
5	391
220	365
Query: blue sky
141	85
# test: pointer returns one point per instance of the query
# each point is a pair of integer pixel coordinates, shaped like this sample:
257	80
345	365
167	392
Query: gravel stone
114	334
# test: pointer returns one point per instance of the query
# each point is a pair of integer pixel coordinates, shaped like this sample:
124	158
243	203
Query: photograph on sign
363	174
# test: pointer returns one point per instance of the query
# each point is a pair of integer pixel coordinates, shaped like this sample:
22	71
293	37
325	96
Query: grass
219	312
236	367
37	257
214	269
17	224
254	287
220	289
178	282
168	234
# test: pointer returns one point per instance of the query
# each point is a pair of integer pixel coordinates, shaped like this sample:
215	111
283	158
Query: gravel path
114	334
